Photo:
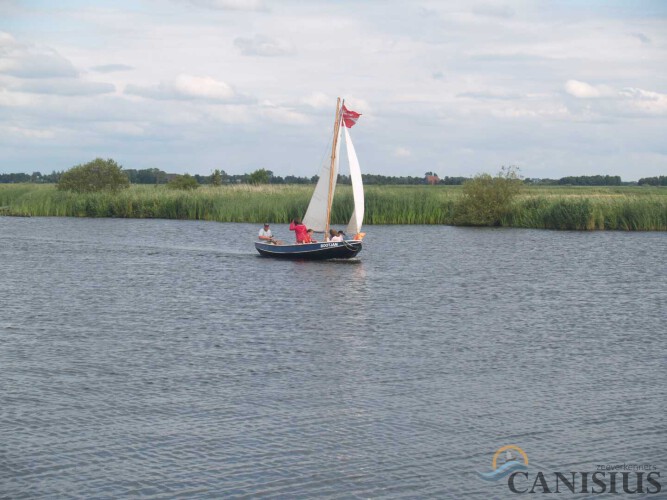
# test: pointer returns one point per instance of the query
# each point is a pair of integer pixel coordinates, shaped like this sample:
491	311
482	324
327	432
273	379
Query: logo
513	459
511	462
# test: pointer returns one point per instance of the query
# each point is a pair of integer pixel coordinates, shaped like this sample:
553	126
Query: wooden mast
331	168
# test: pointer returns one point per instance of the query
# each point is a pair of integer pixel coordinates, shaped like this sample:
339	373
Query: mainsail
316	215
319	210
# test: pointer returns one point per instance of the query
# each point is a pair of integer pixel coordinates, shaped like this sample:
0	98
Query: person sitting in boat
265	234
300	230
309	237
342	235
335	235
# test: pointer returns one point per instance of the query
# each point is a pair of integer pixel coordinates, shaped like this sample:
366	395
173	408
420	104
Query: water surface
166	358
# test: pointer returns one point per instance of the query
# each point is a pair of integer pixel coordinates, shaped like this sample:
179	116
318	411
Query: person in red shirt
309	237
299	229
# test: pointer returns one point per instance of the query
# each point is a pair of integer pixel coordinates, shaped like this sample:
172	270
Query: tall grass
627	209
586	208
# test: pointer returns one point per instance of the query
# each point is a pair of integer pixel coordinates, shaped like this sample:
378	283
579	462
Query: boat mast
331	168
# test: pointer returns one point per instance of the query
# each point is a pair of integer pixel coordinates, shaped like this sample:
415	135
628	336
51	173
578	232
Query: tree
53	177
185	181
591	180
216	178
97	175
14	178
261	176
146	176
653	181
487	199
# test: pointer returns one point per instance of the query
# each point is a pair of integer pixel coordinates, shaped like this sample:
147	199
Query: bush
261	176
486	199
97	175
185	181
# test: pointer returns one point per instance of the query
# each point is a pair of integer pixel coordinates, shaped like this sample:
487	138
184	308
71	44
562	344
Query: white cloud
203	87
29	61
26	68
402	152
536	111
64	87
264	46
583	90
29	133
121	129
6	40
186	87
112	68
248	5
493	10
318	100
14	99
354	103
616	103
645	100
490	94
233	114
281	114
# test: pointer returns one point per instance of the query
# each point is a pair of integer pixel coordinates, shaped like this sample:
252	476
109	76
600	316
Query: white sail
357	188
316	215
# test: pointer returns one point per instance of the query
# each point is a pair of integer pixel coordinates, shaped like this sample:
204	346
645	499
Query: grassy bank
580	208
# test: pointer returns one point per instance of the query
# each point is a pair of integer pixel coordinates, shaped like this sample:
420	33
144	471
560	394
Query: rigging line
349	247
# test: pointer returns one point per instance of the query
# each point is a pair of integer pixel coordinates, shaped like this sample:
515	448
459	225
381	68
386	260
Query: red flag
350	117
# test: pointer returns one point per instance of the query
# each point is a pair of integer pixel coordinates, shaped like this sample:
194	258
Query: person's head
266	226
297	220
333	232
310	232
341	233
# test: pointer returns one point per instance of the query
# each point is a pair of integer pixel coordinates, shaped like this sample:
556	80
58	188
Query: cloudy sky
459	87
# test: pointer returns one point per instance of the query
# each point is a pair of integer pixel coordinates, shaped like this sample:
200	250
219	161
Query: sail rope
348	246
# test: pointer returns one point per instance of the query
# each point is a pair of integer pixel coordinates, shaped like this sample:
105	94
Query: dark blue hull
311	251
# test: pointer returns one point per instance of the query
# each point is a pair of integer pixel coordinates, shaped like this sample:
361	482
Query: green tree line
264	176
653	181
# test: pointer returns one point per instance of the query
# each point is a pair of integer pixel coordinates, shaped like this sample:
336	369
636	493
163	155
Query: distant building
432	179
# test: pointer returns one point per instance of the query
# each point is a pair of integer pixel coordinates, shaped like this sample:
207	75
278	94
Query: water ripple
164	359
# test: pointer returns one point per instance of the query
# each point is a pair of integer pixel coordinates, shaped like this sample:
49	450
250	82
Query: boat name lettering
325	245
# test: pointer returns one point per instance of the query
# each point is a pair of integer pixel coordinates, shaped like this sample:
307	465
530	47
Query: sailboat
318	214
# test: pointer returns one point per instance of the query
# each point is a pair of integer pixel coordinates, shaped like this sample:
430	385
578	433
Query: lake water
166	358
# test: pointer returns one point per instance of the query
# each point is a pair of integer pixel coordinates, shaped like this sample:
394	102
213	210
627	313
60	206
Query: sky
555	88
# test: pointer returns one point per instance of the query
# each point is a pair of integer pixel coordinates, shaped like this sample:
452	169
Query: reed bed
571	208
626	213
